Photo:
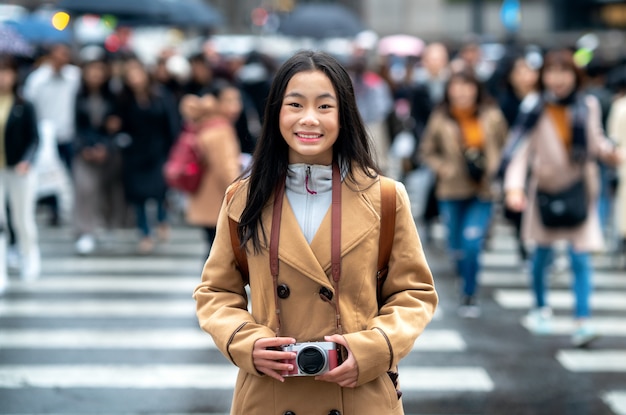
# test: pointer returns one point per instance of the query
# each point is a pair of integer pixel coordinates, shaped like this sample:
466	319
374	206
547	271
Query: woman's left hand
347	373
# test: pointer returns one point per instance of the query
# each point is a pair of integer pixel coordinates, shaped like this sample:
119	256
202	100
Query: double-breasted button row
326	294
283	291
332	412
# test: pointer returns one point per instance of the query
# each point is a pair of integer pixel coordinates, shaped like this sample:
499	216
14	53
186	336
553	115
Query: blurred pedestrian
150	122
52	89
18	182
520	80
462	145
559	153
616	124
201	75
374	100
99	195
217	142
314	153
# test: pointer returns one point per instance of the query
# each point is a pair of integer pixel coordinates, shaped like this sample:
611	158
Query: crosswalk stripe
521	279
146	265
604	326
109	284
97	308
593	360
431	340
470	379
522	298
616	400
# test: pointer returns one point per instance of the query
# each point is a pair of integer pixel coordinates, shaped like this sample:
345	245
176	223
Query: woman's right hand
269	358
516	200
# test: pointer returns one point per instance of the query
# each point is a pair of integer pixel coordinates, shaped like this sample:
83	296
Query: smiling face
309	118
559	80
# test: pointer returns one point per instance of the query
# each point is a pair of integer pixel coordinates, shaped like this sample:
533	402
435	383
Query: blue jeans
581	267
142	216
467	221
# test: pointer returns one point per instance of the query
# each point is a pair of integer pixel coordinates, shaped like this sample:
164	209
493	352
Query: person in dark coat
96	168
19	139
151	124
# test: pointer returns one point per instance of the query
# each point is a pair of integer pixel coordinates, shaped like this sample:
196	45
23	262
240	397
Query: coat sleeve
599	145
221	152
221	302
517	170
409	305
32	134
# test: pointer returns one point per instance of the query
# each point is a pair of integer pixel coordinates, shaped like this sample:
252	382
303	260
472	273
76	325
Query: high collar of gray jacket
308	188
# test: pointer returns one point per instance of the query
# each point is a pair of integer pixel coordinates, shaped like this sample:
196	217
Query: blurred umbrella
12	43
39	30
400	45
321	20
190	13
122	9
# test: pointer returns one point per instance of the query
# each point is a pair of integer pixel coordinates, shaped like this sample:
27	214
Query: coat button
283	291
334	412
326	294
289	413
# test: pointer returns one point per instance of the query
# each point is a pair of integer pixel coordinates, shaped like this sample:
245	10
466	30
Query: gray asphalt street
116	334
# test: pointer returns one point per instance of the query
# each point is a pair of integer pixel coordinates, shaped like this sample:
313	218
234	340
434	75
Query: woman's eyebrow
296	94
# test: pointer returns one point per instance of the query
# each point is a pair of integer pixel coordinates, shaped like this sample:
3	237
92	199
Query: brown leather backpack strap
240	252
387	230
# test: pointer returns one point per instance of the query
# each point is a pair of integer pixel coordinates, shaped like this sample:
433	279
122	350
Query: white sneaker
584	336
539	321
85	245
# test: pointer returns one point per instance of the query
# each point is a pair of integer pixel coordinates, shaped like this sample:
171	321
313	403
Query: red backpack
184	167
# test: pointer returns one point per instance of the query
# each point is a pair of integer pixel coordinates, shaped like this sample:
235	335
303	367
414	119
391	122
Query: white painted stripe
604	326
560	299
521	279
469	379
431	340
108	284
616	400
160	265
97	308
500	259
593	360
440	341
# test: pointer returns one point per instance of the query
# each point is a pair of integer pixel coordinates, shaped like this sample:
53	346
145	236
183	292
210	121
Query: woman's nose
309	118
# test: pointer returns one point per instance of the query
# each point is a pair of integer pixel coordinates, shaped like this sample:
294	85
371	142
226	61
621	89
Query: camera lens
311	360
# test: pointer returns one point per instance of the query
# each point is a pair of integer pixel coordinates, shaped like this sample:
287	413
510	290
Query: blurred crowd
112	120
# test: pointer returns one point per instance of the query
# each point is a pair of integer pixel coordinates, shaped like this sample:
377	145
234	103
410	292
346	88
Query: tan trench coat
552	170
442	150
616	127
219	146
377	340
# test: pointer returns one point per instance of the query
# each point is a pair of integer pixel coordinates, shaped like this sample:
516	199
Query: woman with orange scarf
462	144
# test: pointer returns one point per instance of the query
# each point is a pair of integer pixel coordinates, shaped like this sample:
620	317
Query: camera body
312	358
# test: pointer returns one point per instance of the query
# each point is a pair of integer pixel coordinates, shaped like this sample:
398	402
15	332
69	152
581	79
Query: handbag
564	209
475	162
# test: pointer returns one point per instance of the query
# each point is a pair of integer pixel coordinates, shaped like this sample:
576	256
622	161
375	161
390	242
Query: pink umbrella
400	45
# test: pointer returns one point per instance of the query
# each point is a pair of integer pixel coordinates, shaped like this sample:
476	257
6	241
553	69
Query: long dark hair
9	62
270	160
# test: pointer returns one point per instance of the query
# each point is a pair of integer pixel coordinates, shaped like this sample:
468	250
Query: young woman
151	122
560	149
464	126
314	144
99	195
219	146
19	139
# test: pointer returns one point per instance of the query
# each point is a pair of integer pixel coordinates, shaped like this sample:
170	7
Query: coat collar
359	219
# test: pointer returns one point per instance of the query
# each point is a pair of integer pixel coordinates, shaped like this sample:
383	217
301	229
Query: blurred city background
96	314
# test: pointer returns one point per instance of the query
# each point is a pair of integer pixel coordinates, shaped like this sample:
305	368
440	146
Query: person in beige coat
465	123
306	282
216	113
560	148
616	127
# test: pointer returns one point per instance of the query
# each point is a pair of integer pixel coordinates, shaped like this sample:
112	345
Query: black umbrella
190	13
321	20
123	9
